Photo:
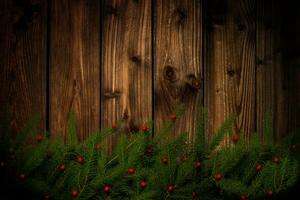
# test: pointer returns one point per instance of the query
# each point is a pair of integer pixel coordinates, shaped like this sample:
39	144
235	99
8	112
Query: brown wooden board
230	63
23	39
75	65
126	65
269	75
178	62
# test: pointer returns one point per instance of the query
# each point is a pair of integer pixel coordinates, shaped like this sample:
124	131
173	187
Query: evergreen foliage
141	167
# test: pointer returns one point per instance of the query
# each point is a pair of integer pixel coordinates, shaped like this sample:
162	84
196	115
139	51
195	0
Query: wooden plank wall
230	63
135	60
178	61
127	65
23	44
269	77
74	64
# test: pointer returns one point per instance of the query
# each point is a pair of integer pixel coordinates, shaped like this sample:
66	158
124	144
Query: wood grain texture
290	72
178	62
230	64
75	65
269	74
127	67
23	37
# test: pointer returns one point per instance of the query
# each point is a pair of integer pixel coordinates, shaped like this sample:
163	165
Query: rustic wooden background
135	60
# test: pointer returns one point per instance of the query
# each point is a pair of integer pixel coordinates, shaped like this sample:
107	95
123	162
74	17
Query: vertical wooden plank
127	67
75	65
269	74
230	63
23	40
290	72
178	62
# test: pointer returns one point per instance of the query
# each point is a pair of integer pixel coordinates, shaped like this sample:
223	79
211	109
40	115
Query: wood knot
169	73
136	59
115	94
193	82
230	72
181	14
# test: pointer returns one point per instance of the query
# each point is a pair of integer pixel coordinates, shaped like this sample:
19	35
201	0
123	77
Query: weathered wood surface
269	79
75	65
178	62
135	60
230	64
23	39
127	65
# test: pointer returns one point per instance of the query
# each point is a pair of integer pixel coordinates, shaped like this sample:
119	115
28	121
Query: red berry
198	164
62	168
294	147
170	188
39	138
243	197
270	193
218	177
47	197
208	157
74	193
143	184
258	167
164	161
80	159
97	147
106	189
172	116
236	137
144	128
276	159
194	194
185	158
131	170
22	176
113	126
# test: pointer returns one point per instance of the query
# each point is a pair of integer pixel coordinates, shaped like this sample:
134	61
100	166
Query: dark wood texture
23	39
269	75
290	71
127	67
131	61
230	63
178	61
75	64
